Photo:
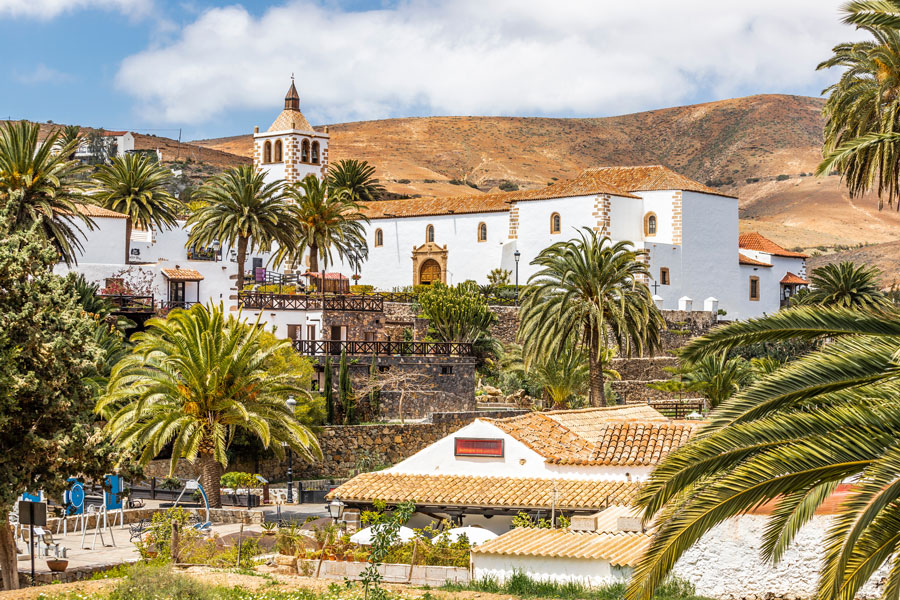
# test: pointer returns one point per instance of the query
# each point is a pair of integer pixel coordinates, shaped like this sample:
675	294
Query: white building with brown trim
571	462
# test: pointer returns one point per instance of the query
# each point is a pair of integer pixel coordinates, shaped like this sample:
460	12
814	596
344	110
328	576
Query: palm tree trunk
128	240
241	258
210	478
598	394
8	562
314	258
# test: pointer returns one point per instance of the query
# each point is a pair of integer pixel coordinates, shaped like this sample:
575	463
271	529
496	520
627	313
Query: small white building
119	143
572	462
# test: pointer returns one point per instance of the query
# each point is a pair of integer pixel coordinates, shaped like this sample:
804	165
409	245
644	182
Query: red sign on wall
479	447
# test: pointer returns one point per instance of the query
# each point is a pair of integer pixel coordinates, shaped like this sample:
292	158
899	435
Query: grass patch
523	586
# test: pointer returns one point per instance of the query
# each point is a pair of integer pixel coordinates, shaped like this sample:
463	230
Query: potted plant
57	565
269	527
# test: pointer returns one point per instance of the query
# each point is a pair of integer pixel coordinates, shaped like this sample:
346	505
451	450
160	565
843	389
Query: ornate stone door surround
432	251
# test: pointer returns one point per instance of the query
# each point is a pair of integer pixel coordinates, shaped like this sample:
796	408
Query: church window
304	151
664	276
379	238
482	232
555	223
650	225
267	152
754	288
278	158
429	233
315	152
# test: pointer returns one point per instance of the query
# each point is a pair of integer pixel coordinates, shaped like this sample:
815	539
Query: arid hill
760	148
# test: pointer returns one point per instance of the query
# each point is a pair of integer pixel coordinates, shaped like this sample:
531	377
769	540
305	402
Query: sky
201	68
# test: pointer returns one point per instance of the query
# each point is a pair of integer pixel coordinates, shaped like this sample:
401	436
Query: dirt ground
218	577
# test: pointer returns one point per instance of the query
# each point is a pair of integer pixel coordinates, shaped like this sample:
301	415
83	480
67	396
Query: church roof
743	259
291	119
586	184
755	241
646	178
790	278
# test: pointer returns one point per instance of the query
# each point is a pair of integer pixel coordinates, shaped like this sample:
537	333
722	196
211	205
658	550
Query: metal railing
677	409
130	303
324	347
170	304
265	300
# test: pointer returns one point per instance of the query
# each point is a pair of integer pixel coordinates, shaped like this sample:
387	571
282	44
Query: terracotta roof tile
291	119
651	177
790	278
754	241
94	211
587	184
597	436
743	259
466	490
621	549
182	275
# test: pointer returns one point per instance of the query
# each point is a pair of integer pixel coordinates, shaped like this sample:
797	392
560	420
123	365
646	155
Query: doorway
429	272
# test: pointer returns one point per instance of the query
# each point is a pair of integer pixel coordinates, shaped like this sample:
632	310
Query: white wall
588	572
725	563
660	203
626	219
104	243
534	226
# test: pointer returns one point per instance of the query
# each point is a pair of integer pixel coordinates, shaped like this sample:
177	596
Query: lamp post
517	255
336	509
291	404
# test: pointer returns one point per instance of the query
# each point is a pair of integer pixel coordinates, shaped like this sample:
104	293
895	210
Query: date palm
193	380
862	130
826	417
50	186
845	285
137	186
330	224
356	178
244	212
587	292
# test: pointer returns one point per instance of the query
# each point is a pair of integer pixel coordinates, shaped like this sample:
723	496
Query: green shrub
508	186
362	289
277	289
404	181
238	480
782	177
154	581
457	182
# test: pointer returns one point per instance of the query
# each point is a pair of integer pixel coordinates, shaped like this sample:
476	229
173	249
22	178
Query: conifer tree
345	390
328	393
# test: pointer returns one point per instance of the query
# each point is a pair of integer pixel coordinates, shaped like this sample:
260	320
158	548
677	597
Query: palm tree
356	178
587	292
137	186
790	438
241	210
330	222
862	130
49	186
845	285
561	378
69	138
715	377
193	380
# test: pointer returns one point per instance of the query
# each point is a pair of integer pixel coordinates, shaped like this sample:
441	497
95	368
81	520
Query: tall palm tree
330	223
193	380
50	186
715	377
587	292
790	438
69	137
356	178
862	129
137	186
241	210
845	285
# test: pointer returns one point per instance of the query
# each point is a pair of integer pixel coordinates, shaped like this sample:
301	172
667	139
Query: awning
182	275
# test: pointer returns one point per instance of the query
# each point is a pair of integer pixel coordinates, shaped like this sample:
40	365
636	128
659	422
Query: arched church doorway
429	272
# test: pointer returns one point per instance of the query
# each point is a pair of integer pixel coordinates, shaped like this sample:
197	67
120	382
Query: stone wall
644	369
681	326
637	392
507	325
400	316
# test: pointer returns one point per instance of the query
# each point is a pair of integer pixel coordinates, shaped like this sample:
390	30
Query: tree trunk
241	258
210	478
127	240
598	394
8	563
314	258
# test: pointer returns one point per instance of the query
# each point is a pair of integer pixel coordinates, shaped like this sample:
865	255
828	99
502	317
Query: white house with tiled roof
486	472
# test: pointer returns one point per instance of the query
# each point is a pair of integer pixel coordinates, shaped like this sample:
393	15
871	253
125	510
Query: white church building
696	257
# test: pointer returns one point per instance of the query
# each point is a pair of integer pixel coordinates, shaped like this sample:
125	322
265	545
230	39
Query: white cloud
494	57
49	9
42	74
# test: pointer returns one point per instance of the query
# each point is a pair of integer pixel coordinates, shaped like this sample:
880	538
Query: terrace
391	348
264	300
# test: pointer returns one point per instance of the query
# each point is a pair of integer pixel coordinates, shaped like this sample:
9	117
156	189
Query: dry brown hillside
740	145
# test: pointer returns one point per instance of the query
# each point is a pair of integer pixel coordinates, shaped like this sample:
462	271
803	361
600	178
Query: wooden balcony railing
677	409
323	347
130	303
263	300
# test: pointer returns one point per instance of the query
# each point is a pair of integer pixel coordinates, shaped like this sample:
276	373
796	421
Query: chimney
256	129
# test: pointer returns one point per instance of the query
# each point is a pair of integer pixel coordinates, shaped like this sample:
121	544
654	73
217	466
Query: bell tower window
267	152
304	151
278	158
650	225
429	233
555	223
315	153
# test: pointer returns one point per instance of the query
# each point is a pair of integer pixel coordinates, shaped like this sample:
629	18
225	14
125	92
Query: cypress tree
329	395
373	394
345	389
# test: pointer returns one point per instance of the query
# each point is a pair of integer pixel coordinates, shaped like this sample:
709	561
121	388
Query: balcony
334	348
127	303
339	302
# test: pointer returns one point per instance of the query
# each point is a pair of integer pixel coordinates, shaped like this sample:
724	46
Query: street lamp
336	509
292	405
517	255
